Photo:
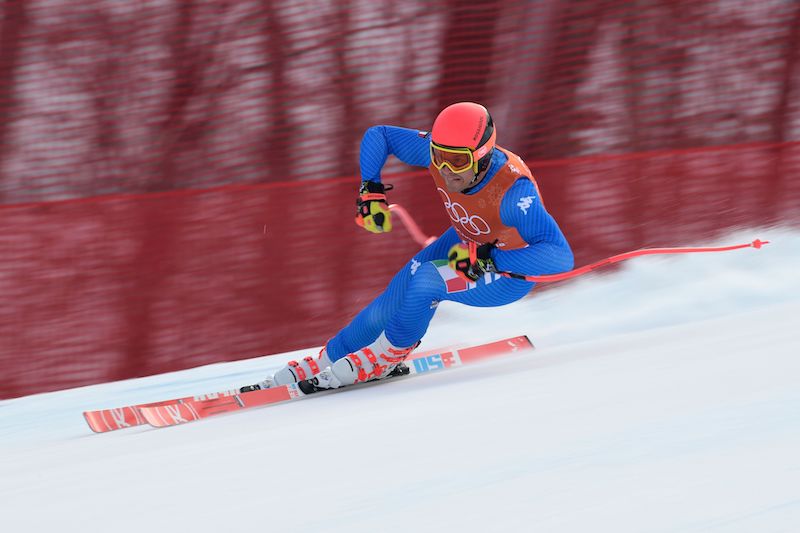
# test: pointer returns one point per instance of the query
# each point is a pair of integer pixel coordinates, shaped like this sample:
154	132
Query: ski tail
105	420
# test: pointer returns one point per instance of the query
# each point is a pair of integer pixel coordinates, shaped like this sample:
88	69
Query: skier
498	223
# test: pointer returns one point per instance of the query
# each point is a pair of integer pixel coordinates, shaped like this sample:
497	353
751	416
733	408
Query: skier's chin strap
473	182
488	159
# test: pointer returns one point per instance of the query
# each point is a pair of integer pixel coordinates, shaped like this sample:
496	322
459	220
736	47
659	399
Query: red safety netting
177	179
102	97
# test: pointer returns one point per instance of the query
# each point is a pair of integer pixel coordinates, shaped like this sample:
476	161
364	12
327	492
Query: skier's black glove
471	261
373	210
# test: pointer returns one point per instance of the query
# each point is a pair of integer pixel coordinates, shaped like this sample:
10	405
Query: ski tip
758	243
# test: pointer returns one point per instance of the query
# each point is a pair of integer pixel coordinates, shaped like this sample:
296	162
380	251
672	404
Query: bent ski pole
628	255
411	226
422	240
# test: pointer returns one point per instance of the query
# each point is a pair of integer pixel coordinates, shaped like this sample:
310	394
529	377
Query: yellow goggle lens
456	159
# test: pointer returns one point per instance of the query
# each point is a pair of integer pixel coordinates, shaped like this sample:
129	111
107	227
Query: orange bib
476	217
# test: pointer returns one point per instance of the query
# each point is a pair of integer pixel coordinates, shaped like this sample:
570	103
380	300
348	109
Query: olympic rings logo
472	224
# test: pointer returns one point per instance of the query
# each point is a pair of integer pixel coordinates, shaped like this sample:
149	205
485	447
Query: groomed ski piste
663	396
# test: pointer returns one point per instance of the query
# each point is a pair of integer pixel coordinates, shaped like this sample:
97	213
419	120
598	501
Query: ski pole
411	226
547	278
422	240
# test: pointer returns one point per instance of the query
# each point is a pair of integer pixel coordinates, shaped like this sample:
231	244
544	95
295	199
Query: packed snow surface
664	396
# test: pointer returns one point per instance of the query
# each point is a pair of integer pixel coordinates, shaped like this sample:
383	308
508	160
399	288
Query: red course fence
177	179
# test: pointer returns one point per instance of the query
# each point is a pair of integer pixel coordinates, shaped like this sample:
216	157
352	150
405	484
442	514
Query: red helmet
466	125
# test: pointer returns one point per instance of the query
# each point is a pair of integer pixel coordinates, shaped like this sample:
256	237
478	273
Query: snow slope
663	397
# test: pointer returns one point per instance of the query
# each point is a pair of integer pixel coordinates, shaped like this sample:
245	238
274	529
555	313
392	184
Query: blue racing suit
404	310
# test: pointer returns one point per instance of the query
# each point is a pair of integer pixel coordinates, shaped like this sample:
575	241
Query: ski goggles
456	159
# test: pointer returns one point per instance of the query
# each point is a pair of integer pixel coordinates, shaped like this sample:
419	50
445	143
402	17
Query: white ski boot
294	371
376	361
362	365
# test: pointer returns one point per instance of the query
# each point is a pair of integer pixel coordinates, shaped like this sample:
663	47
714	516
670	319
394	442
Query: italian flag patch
451	279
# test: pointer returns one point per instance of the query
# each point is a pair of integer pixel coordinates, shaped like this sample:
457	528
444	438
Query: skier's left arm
548	251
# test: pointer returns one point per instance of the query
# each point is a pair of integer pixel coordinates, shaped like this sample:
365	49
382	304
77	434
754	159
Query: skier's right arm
412	147
409	146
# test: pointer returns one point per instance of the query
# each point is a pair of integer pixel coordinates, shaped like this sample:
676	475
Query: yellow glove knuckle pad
371	221
458	253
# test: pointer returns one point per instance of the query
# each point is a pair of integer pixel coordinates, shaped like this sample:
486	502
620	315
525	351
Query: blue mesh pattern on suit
548	251
404	310
376	317
409	146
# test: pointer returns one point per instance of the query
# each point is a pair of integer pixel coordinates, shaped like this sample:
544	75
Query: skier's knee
426	281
